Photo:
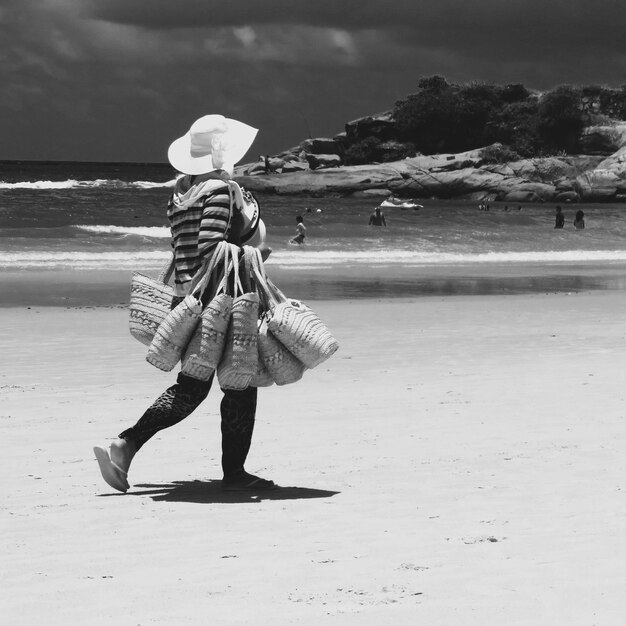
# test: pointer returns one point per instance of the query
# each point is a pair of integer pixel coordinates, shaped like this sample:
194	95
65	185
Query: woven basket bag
262	378
240	358
150	301
174	333
206	346
282	365
176	330
295	325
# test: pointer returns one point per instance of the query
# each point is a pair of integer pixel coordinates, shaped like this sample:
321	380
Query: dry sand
459	461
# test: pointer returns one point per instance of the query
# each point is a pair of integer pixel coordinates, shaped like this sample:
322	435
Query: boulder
276	164
319	161
381	125
603	140
599	185
394	150
295	166
252	170
530	192
320	146
566	196
547	169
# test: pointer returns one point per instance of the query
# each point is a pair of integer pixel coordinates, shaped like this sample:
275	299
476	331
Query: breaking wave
158	232
100	183
303	259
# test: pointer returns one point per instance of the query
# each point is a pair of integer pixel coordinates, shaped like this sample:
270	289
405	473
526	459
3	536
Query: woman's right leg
171	407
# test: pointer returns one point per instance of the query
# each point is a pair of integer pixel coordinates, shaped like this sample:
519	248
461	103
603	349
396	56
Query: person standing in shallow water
377	218
300	232
206	207
579	220
560	218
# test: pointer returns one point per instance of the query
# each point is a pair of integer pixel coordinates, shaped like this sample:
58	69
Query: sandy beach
459	461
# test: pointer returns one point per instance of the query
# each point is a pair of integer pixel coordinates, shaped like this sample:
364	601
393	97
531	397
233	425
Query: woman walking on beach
203	211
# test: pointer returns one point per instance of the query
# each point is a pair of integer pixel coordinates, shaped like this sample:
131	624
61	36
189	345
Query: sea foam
287	259
100	183
158	232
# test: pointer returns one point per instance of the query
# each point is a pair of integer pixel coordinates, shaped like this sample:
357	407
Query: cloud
246	35
488	32
131	74
431	19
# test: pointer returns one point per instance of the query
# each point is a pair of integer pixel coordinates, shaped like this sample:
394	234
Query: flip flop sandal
249	483
112	473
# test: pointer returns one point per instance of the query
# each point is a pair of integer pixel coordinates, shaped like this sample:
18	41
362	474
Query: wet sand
89	287
458	461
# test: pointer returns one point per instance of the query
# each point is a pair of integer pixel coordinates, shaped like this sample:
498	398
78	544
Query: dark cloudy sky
120	79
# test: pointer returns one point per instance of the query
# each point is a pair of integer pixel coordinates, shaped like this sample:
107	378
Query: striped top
199	217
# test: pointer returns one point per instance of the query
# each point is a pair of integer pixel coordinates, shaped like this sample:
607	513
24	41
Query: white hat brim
237	141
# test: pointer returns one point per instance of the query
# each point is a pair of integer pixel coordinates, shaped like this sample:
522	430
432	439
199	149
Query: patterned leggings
238	410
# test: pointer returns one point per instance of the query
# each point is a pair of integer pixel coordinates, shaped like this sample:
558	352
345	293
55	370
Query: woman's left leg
238	410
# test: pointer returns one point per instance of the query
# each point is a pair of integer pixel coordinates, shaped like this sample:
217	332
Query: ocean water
111	216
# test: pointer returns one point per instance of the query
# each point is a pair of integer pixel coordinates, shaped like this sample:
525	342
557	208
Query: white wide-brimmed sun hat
213	142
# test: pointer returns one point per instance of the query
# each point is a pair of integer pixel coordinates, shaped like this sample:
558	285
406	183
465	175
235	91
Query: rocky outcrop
315	167
464	175
316	154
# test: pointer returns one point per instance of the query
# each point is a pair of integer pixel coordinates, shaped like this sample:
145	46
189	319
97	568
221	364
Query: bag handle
223	281
166	271
276	292
271	294
256	266
203	275
231	264
249	261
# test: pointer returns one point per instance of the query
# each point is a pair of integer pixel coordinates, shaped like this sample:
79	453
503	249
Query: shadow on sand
210	492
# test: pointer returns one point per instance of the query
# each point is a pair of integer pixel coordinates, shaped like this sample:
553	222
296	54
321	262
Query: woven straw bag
295	325
150	301
262	378
240	358
177	329
206	346
174	333
282	366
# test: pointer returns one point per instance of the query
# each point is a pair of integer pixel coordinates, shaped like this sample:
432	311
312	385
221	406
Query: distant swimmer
377	218
579	220
300	232
560	218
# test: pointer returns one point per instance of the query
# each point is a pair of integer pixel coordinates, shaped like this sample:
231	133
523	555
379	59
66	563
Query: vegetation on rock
446	117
